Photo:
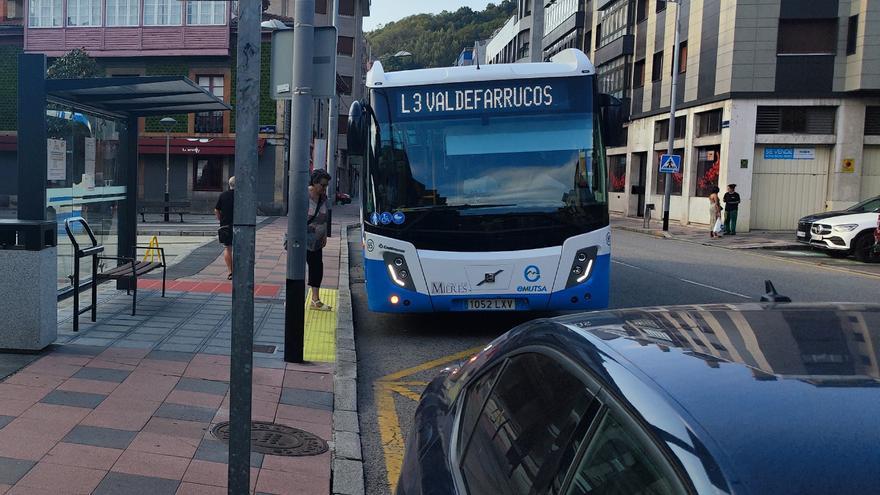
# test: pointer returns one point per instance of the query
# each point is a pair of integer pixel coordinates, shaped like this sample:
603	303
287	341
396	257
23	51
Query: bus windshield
488	148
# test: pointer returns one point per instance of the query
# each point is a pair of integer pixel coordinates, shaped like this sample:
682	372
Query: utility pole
668	182
332	132
537	33
243	238
298	199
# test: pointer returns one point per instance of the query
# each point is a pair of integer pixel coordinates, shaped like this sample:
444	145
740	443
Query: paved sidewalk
756	239
127	405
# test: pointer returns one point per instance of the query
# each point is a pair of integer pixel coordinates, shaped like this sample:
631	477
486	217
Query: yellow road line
431	364
385	388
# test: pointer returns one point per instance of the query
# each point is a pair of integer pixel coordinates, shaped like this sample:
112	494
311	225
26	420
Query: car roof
785	396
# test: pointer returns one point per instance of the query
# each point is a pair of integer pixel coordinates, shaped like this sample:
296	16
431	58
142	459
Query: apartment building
781	97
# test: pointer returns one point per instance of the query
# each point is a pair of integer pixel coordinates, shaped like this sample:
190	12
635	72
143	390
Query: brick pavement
127	404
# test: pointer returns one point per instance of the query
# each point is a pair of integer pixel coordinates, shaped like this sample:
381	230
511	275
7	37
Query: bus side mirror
356	135
613	116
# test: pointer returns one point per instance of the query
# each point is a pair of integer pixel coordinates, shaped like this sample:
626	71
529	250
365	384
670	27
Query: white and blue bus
484	188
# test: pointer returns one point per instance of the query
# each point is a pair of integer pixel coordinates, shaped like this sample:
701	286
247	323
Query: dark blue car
756	398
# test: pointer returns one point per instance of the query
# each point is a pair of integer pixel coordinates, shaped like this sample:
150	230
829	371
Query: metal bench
174	207
126	269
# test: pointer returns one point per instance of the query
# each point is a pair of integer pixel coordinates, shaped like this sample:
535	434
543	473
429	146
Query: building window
83	13
795	120
661	5
612	23
344	84
661	129
617	173
639	74
588	42
162	12
345	46
872	121
677	178
346	7
122	12
208	174
708	168
683	57
206	12
709	123
807	37
211	122
45	13
641	10
320	6
342	124
657	66
612	77
852	34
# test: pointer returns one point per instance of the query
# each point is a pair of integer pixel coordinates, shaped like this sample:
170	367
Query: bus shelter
78	153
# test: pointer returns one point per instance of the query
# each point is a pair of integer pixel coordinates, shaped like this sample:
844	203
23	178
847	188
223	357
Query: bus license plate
491	304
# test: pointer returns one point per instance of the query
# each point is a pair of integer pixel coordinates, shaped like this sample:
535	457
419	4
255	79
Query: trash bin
28	284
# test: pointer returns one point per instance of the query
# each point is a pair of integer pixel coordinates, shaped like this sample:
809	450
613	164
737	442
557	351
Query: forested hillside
436	40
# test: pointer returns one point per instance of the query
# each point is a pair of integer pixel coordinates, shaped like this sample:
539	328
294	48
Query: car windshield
490	161
867	206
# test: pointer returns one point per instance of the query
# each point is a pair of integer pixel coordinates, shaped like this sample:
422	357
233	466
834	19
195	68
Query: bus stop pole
243	239
332	135
668	182
298	199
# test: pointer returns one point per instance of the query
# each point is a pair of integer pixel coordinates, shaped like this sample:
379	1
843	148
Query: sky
385	11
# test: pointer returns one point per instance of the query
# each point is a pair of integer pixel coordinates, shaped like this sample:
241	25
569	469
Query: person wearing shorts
223	211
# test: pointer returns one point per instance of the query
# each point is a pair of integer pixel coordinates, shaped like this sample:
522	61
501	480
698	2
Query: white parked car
841	233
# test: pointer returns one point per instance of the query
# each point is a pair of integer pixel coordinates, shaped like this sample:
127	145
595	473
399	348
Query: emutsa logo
532	273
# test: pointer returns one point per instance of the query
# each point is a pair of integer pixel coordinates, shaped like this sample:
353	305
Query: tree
75	64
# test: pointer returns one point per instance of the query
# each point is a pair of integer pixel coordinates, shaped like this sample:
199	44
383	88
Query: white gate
788	183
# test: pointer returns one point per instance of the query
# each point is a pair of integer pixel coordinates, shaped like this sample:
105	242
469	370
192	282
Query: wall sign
789	153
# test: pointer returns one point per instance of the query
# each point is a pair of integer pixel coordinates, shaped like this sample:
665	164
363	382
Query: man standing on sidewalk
731	209
223	212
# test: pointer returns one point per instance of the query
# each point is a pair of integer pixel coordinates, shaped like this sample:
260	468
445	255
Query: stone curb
667	235
347	459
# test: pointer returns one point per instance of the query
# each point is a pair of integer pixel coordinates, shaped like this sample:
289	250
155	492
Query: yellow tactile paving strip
320	332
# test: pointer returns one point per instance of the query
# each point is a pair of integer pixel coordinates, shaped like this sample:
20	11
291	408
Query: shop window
795	120
807	37
661	129
872	121
657	66
346	7
617	173
709	123
677	178
208	174
639	74
708	168
345	46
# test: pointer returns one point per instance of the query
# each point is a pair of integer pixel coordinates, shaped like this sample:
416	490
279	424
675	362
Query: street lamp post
168	123
667	194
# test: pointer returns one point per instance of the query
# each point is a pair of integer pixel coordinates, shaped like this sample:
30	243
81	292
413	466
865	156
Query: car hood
869	218
819	216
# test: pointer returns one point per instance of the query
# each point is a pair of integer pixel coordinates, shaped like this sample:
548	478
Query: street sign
670	164
323	64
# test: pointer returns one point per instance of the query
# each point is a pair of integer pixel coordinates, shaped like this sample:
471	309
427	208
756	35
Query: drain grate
275	439
264	349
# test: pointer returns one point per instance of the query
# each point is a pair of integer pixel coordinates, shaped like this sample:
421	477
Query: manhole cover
264	349
274	439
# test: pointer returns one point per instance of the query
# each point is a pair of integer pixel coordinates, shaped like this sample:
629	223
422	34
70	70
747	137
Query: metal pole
332	133
668	189
167	170
243	238
300	133
537	32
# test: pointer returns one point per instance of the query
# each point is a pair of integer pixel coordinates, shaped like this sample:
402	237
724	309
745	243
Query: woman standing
714	213
317	235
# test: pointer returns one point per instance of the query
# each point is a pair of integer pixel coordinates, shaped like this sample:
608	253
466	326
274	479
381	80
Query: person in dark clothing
731	209
223	211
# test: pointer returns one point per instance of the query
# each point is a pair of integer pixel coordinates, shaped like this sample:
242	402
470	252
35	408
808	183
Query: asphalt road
397	354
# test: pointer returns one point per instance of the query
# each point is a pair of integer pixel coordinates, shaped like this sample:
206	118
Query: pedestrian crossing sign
670	164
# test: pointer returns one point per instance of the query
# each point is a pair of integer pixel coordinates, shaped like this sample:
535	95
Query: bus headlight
582	266
398	270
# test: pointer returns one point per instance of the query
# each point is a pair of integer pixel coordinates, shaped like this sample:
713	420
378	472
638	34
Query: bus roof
570	62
